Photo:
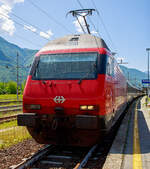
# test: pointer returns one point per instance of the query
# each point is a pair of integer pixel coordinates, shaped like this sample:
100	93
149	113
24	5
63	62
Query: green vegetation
11	134
4	97
11	88
5	125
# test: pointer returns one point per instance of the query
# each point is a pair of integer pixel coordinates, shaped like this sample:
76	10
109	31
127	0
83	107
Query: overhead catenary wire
27	40
24	39
26	22
23	20
108	34
91	23
105	28
80	4
51	18
20	24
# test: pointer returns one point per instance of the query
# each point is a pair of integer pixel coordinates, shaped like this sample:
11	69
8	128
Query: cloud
8	26
46	34
94	32
31	28
10	2
6	23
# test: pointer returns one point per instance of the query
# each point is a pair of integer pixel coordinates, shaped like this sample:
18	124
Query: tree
11	87
3	88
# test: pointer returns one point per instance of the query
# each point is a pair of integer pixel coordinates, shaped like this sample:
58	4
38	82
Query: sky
123	24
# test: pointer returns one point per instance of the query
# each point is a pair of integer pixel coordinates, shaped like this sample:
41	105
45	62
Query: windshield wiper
94	69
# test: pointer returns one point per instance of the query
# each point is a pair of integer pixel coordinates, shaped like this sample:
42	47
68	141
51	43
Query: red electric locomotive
75	92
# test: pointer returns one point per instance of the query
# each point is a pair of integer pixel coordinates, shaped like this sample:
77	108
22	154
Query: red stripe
99	50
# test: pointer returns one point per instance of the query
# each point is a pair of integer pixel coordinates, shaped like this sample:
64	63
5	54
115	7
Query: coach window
112	66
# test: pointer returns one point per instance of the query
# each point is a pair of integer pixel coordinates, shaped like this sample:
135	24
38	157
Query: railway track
13	108
52	157
8	118
7	109
56	156
10	101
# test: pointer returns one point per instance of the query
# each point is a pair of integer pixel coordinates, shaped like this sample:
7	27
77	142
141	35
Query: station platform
131	147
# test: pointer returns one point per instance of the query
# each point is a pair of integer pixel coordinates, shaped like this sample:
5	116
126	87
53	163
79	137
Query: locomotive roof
75	42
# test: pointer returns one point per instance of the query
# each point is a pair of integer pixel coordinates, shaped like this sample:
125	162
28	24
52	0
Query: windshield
66	66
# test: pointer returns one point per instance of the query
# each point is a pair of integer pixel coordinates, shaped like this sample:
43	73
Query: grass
9	104
10	97
11	113
147	100
11	134
5	125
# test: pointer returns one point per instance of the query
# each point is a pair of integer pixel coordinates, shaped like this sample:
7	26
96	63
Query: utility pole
17	68
121	61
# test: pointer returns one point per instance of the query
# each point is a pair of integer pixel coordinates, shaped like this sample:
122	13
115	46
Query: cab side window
110	66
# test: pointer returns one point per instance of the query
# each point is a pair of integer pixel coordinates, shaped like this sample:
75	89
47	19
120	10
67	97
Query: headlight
83	107
88	107
32	106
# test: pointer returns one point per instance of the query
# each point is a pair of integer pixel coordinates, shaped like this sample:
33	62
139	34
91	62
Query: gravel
14	154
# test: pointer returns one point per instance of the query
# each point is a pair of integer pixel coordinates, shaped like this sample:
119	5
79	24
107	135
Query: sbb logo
59	99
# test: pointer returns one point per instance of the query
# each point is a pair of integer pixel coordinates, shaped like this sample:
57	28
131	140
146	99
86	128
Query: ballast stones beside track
131	147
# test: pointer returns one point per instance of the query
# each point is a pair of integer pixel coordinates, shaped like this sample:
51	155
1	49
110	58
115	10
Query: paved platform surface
131	147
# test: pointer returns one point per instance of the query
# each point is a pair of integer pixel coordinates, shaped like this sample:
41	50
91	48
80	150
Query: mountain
3	57
8	56
135	76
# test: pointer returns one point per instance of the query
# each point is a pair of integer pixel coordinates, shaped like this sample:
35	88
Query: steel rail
29	161
86	158
9	101
8	118
11	106
10	110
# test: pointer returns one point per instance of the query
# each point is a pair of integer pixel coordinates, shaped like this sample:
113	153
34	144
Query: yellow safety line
137	160
76	167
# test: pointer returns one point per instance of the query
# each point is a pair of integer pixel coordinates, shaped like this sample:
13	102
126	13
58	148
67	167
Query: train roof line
75	42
